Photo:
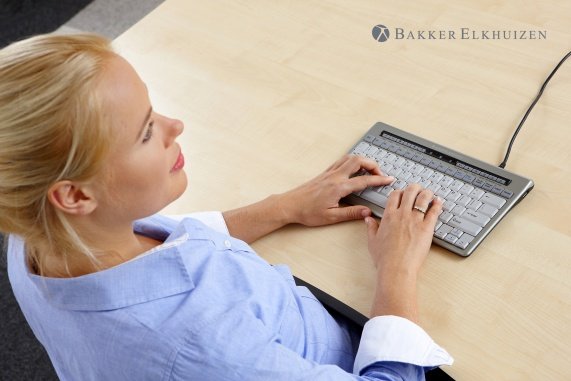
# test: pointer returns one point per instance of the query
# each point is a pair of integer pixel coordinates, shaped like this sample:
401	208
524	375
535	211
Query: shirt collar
157	274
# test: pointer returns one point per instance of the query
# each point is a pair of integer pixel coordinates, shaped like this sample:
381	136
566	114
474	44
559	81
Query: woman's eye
149	132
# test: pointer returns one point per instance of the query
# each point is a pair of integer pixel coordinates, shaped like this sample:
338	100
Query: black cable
503	163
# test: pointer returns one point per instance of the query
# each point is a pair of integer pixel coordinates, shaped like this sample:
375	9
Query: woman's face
144	172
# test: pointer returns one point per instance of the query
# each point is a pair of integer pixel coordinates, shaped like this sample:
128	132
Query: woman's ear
72	198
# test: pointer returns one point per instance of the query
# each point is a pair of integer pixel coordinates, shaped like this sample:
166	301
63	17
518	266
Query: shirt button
227	244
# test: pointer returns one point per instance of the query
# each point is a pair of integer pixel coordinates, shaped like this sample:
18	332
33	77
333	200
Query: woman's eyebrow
144	123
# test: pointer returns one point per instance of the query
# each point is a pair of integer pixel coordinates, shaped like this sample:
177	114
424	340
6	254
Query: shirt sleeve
214	220
393	339
240	347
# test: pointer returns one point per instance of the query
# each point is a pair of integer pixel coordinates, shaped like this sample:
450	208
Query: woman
115	292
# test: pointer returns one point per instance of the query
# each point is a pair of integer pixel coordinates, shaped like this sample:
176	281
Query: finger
355	163
423	200
361	182
348	213
394	200
339	162
409	196
433	211
372	228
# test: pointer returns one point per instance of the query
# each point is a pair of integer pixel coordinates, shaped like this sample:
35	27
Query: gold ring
423	211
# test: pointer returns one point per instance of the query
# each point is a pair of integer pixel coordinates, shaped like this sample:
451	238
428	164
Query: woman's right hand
399	246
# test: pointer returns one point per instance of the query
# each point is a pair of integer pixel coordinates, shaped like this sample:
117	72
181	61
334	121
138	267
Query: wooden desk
273	92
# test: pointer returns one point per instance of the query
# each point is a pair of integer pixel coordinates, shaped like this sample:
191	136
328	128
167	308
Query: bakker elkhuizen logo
382	33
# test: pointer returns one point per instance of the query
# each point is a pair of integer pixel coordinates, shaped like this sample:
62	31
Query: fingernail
368	220
365	213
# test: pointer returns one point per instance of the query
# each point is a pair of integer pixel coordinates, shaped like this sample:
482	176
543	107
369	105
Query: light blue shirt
204	306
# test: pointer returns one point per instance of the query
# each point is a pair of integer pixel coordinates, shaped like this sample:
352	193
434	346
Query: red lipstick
179	164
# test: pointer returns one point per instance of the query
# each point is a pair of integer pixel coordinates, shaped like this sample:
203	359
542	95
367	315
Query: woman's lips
179	164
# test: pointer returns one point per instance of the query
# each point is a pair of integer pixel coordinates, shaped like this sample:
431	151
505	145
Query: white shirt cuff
214	220
396	339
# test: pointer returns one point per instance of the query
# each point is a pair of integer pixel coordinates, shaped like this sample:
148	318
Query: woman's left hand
316	202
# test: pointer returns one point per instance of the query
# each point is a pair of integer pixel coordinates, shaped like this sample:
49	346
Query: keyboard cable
503	163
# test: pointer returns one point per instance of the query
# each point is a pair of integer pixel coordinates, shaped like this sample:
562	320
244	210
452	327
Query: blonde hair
51	129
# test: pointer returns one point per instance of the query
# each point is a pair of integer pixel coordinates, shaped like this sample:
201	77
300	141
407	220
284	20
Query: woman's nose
174	128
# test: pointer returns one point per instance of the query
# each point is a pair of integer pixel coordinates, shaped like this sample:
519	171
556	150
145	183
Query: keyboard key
425	183
381	153
478	182
443	192
463	200
408	165
442	231
386	191
448	206
487	210
417	169
446	181
390	158
507	194
405	175
474	204
458	210
361	147
436	177
468	178
453	196
450	171
493	200
371	151
445	216
415	180
369	138
497	190
399	161
433	187
433	164
441	168
457	232
399	184
387	168
464	225
450	238
476	194
425	161
374	197
456	185
487	186
437	226
466	189
464	241
426	173
476	217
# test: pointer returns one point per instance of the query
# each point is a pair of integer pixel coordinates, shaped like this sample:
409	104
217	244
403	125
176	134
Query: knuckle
414	188
428	193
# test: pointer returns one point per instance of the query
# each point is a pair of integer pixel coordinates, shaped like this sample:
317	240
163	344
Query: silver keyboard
476	195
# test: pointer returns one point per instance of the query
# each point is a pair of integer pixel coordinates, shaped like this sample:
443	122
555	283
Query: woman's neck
115	253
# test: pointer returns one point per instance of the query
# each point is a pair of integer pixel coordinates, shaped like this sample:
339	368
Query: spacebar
374	197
